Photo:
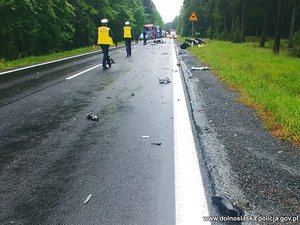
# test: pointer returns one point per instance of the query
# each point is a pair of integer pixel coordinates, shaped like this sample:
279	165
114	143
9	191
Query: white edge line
191	204
77	74
46	63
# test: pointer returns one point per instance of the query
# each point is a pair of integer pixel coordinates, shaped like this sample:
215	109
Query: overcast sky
168	9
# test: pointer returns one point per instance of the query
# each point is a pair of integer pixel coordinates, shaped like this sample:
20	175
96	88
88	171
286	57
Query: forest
38	27
237	20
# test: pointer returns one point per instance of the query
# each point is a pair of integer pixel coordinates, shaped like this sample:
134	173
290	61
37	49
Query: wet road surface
52	157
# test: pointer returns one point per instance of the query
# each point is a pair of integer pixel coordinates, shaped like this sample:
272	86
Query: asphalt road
143	161
53	159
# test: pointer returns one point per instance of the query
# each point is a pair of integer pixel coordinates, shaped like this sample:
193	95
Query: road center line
191	204
78	74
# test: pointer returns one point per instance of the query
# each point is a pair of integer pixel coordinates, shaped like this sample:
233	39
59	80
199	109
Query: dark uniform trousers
106	59
128	46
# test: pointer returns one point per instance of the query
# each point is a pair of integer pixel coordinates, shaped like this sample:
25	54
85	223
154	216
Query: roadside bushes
296	47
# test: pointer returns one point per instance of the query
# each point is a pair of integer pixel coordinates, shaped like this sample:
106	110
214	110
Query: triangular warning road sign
193	17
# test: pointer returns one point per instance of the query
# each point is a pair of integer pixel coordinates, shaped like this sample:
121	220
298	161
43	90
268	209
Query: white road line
45	63
191	204
78	74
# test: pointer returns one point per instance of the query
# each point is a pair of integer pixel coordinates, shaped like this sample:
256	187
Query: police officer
127	35
105	38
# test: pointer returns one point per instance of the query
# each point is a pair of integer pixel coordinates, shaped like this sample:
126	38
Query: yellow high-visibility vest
127	32
103	36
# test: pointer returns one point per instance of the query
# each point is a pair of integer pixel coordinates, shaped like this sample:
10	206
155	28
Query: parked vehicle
173	33
153	31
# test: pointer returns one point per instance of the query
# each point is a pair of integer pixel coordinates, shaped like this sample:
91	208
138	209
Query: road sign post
193	18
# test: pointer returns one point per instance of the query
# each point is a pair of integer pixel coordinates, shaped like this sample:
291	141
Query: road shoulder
258	172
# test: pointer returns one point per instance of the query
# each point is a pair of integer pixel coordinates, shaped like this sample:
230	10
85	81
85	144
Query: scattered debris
164	80
90	116
195	41
158	41
185	45
200	68
87	199
279	152
108	97
192	41
132	94
178	64
145	136
226	207
111	60
156	143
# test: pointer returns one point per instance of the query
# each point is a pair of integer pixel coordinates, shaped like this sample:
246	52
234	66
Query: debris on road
200	68
164	80
132	94
156	143
90	116
111	60
185	46
158	41
145	136
87	199
226	207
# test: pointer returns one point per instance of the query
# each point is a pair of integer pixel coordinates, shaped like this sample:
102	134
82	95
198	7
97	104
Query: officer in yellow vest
105	38
127	35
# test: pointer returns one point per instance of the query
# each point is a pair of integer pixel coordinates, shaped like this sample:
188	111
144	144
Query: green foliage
233	20
237	35
36	27
296	47
270	81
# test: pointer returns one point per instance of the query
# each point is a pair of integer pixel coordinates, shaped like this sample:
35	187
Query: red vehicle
151	31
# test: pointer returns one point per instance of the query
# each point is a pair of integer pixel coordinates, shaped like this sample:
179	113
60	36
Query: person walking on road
105	38
145	36
136	37
127	35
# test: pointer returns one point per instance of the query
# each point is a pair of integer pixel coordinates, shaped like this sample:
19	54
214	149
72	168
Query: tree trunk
211	11
276	46
265	26
292	28
244	18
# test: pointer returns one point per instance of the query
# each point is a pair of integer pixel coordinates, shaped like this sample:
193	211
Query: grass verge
267	82
31	60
